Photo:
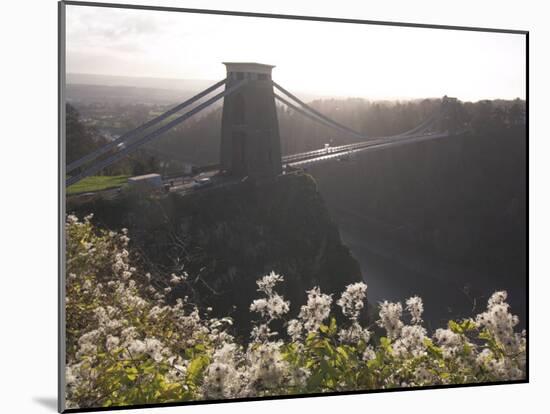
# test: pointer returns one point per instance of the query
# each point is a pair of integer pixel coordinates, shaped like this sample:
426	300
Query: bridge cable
423	126
414	130
310	116
139	142
347	147
131	134
317	113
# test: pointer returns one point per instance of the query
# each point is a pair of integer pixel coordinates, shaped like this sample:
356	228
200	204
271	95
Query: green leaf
468	325
455	327
314	381
385	344
333	328
342	352
196	367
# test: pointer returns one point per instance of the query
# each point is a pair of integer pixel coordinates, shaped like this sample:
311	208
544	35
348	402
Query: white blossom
267	369
268	282
294	329
390	318
451	343
415	308
274	306
498	321
316	310
352	300
112	342
353	334
175	279
410	341
369	353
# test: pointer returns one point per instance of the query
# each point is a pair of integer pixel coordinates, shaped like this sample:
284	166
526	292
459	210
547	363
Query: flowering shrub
128	344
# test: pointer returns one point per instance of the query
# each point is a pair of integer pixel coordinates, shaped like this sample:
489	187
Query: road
331	153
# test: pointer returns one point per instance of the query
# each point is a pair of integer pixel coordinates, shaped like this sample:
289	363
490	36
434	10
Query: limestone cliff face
227	238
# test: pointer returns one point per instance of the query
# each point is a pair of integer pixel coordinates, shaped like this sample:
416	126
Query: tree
81	139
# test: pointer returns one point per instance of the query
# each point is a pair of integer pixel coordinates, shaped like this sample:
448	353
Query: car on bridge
204	182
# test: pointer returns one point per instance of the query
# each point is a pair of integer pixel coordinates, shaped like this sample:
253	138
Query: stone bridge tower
250	142
450	118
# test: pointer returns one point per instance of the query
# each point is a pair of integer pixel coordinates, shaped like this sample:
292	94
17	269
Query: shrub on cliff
127	345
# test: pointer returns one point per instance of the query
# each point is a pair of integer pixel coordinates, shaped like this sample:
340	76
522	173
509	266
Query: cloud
315	57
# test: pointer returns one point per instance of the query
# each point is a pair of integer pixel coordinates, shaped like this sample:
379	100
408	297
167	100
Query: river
393	272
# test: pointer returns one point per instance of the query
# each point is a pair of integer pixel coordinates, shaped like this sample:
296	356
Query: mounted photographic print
259	206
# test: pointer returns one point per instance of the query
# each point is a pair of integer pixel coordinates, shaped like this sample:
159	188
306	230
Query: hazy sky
311	57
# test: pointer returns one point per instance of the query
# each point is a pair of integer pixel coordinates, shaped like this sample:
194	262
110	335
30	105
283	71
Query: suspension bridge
250	141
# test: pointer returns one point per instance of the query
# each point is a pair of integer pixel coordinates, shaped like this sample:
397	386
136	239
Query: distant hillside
124	95
138	82
87	88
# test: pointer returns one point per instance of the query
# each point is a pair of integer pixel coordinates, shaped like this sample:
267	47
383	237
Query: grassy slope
97	183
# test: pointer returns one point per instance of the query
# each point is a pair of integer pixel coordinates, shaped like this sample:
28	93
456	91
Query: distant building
250	142
147	182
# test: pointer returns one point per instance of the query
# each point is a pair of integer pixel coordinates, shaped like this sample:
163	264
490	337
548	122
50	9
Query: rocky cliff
226	238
